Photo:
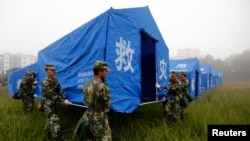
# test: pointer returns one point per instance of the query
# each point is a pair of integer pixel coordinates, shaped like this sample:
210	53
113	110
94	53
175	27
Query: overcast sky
216	27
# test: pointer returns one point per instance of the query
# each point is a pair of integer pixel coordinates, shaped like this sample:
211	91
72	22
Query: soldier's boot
58	138
47	131
171	119
168	119
24	110
48	134
28	110
164	113
182	116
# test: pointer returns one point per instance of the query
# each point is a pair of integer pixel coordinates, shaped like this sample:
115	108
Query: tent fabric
220	77
214	78
192	67
217	78
128	39
206	77
15	78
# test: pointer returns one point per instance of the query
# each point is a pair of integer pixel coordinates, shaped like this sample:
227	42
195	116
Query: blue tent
15	78
220	77
215	78
192	67
129	40
206	77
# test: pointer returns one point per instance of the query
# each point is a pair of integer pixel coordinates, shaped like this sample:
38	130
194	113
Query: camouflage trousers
99	126
52	120
28	103
173	110
182	113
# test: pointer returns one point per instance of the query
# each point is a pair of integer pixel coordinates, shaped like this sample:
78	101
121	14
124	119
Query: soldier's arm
164	87
106	97
172	87
60	94
29	88
87	98
176	86
20	91
47	91
167	95
185	85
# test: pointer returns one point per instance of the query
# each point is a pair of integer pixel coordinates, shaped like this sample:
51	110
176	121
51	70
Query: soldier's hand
67	102
167	87
163	98
157	85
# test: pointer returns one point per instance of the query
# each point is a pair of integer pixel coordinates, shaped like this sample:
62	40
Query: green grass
226	104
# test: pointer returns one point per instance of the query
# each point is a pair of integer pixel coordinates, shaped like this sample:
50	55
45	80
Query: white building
187	53
1	65
27	60
9	61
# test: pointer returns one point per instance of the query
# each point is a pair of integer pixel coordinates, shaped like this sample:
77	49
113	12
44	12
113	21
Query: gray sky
216	27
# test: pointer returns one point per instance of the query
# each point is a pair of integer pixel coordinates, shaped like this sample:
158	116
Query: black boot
58	138
182	116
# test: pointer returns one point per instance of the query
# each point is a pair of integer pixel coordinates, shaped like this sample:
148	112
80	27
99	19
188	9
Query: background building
1	65
187	53
11	61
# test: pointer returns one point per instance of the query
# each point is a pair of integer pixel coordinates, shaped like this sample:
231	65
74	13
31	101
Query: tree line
234	67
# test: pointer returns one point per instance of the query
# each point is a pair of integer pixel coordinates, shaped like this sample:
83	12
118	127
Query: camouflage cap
50	66
174	73
29	72
101	65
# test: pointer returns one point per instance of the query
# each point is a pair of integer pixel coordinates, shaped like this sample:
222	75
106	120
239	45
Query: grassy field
226	104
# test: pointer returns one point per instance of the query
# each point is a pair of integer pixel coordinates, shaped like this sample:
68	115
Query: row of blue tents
202	77
138	57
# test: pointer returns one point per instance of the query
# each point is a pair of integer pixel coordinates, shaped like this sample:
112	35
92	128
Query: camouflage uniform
51	92
184	87
97	98
26	91
184	91
172	107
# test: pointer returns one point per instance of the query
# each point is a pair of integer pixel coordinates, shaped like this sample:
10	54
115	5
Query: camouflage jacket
26	88
51	89
174	89
97	96
184	86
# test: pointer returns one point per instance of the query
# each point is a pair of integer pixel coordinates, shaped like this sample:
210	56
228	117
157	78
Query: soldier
51	93
184	83
26	91
172	107
185	91
97	98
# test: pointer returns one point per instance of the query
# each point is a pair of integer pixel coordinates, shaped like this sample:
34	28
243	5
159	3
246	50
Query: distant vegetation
226	104
234	68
